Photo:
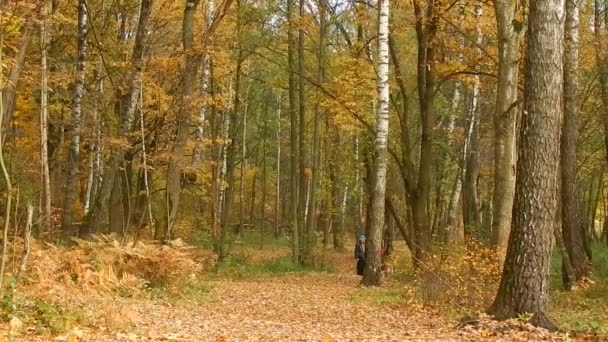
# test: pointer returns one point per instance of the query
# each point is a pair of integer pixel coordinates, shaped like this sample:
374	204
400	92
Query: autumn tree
524	284
371	275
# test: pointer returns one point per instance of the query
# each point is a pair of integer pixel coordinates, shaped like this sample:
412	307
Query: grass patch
239	267
377	296
44	315
584	309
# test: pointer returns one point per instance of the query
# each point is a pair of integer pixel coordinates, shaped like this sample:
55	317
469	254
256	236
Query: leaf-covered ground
310	307
263	304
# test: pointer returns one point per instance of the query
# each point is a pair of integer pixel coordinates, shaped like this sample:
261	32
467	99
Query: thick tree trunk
524	283
74	160
573	228
372	274
505	119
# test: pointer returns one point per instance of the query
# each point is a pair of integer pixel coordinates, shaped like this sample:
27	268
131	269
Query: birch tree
45	195
371	274
79	89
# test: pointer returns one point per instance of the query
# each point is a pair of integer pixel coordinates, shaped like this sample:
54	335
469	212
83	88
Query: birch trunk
471	169
372	274
204	93
44	130
74	160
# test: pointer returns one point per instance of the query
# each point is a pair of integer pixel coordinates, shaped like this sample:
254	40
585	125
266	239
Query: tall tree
79	89
316	153
114	179
303	153
45	194
509	30
371	274
294	153
188	76
524	283
573	228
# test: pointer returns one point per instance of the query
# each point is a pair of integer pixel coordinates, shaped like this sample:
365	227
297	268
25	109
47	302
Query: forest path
317	307
301	307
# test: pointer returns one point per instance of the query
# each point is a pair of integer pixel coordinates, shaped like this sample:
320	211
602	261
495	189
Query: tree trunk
293	214
505	119
44	130
601	57
450	232
470	198
568	275
197	154
223	177
9	92
305	235
189	68
277	204
7	180
74	160
263	199
125	105
372	274
573	228
316	153
524	283
243	170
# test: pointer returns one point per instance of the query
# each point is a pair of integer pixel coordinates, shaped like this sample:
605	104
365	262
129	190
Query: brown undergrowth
89	284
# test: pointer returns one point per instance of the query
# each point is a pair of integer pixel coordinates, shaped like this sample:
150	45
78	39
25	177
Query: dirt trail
317	307
287	308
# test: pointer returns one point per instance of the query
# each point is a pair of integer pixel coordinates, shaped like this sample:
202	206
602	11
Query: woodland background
253	123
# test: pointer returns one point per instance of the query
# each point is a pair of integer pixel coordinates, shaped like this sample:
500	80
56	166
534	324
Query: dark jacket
360	256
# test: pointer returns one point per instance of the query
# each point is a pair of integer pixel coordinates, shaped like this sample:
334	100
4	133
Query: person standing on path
360	254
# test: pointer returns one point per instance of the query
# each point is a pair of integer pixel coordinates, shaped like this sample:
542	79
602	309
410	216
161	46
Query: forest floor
268	298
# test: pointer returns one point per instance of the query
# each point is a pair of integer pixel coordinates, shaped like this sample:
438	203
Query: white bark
143	152
44	128
372	272
224	154
204	92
